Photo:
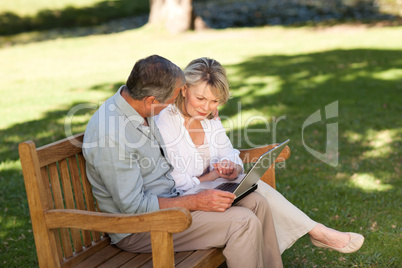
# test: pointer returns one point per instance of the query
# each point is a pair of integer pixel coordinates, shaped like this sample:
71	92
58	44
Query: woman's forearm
210	176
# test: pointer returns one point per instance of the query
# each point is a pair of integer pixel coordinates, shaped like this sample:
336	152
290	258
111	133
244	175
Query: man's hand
214	200
207	200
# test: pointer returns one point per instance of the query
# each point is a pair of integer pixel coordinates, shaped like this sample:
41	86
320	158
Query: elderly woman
200	150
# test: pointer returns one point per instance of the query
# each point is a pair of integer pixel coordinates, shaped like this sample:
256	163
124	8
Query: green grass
20	16
28	7
274	72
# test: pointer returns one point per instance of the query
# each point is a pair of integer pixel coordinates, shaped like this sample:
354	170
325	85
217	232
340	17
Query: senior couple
164	117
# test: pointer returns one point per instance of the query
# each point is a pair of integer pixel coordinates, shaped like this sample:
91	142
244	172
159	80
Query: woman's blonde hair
205	70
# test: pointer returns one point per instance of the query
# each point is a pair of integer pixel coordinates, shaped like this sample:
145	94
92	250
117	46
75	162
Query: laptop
245	183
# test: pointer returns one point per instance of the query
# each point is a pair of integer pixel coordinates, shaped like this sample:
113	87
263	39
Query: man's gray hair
154	76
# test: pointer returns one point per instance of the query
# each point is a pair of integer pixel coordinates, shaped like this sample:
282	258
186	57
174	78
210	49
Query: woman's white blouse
183	154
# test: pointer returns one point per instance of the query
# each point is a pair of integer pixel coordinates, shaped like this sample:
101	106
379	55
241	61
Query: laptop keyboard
228	187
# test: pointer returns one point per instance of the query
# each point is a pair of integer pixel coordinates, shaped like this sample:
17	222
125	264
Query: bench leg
162	249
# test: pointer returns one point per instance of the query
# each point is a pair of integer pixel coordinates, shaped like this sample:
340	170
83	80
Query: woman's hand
227	169
215	113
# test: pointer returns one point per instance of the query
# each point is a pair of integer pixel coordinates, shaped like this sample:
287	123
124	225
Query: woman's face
199	101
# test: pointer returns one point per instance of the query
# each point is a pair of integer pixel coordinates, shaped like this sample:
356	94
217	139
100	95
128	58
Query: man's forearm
187	202
207	200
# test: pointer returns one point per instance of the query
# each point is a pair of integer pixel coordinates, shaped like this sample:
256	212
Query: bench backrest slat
79	195
62	237
89	200
69	201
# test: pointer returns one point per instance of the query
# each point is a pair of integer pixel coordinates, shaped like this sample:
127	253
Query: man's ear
149	101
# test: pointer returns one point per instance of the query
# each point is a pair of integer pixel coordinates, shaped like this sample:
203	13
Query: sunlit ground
27	7
279	77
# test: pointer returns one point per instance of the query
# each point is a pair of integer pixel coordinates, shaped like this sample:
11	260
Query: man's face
157	107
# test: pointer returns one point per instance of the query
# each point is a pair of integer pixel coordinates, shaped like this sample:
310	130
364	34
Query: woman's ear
184	91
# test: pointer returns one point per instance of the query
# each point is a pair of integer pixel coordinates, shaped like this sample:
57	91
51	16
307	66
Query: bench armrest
251	155
160	223
172	220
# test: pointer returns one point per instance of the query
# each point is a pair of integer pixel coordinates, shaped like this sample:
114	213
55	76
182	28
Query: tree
175	15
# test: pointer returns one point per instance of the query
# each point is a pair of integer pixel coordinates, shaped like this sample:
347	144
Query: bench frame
69	229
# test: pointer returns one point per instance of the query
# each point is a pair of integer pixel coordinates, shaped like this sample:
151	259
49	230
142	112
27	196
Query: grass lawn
26	16
30	8
279	77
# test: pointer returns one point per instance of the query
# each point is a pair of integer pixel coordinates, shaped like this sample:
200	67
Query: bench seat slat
138	261
100	257
118	260
86	253
203	258
180	256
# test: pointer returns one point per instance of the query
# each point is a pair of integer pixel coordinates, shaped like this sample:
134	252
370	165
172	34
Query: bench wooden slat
59	150
118	260
63	236
85	253
100	257
76	183
180	256
148	264
203	258
66	243
97	234
79	195
69	202
58	245
89	199
55	185
47	174
46	183
139	261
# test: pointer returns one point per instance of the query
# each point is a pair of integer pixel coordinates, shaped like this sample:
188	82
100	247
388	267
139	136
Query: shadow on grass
70	16
365	82
357	195
360	193
49	128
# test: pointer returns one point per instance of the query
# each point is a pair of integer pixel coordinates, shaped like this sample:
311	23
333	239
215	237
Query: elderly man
129	172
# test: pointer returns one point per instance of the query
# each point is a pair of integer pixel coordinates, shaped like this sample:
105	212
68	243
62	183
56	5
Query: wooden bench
69	229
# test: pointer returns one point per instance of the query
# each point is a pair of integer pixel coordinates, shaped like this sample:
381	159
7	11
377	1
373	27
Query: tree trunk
175	15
